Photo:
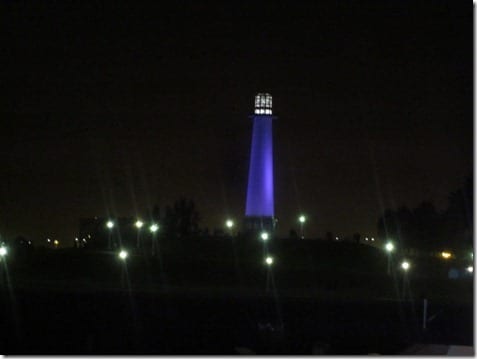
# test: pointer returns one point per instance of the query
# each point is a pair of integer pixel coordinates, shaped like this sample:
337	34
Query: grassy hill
300	268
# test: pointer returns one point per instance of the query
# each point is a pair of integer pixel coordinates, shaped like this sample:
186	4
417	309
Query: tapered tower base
255	224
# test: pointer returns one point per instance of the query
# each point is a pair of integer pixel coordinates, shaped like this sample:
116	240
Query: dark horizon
110	111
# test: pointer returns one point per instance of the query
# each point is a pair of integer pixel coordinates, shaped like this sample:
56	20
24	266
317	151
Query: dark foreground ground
336	300
123	323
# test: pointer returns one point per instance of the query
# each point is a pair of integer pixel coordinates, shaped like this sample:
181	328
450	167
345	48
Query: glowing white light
229	223
269	260
123	254
154	227
110	224
389	247
48	240
76	240
263	104
446	255
372	239
264	236
302	219
405	265
3	251
139	223
366	239
84	240
337	239
470	269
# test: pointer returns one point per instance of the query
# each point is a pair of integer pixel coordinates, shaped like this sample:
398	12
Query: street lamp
446	255
302	220
229	224
138	225
470	269
405	265
153	228
123	255
3	253
269	260
389	249
264	236
269	280
110	225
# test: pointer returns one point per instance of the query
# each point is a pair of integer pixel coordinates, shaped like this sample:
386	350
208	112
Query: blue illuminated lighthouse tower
259	211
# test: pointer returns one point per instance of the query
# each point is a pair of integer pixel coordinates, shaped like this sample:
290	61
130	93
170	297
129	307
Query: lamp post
123	255
264	236
138	225
229	224
405	266
110	225
302	220
268	262
153	228
3	267
389	249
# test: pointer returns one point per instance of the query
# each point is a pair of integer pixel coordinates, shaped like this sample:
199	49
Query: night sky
108	110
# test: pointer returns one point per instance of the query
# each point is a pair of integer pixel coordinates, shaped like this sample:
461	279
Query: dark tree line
181	220
424	227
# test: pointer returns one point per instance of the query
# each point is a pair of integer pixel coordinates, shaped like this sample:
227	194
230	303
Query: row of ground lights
139	224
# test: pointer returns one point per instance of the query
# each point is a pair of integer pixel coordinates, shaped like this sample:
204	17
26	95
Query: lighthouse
260	206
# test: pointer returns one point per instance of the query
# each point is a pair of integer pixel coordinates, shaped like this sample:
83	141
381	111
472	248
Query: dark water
41	322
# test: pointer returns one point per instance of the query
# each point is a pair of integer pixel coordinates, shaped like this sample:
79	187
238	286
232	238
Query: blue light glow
260	178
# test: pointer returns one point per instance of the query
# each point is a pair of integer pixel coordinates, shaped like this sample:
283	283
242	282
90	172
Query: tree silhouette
425	228
181	220
416	228
156	213
292	234
459	215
